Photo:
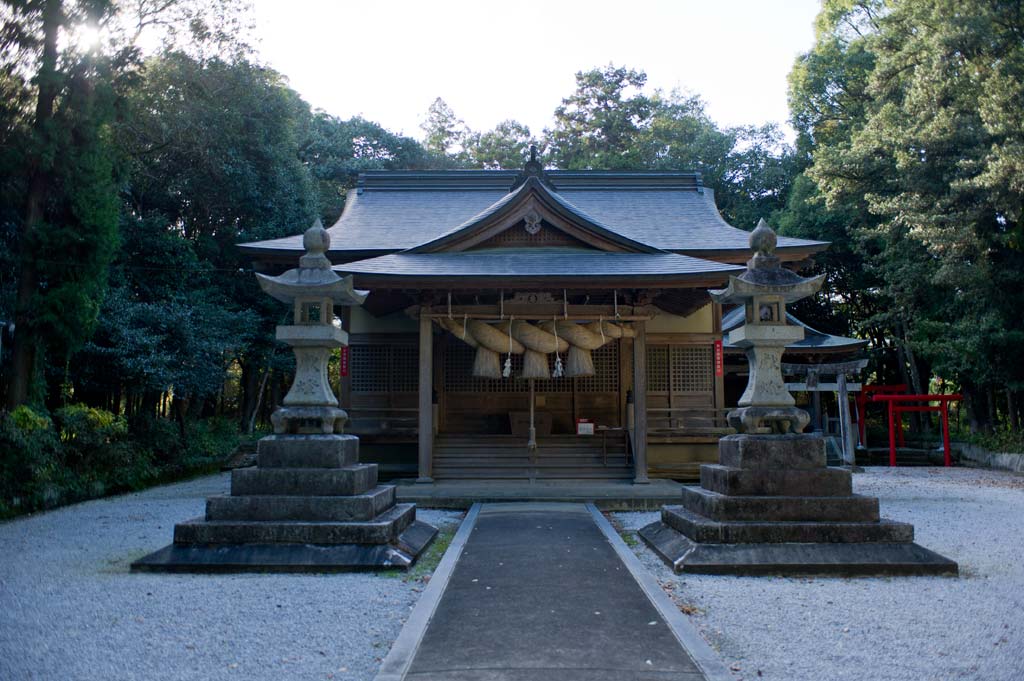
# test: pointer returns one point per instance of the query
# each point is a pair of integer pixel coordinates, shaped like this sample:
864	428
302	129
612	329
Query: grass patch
628	536
429	560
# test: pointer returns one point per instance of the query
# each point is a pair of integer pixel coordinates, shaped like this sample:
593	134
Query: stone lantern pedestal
771	505
308	505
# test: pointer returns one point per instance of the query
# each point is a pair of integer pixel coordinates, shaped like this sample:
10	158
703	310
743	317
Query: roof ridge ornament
532	168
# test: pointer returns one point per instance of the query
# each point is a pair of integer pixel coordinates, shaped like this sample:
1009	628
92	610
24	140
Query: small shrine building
592	283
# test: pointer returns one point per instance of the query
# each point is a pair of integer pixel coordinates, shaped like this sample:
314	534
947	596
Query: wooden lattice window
384	367
657	369
692	369
680	369
606	371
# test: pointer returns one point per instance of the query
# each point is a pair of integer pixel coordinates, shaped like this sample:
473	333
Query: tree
908	110
445	132
64	69
599	126
67	231
336	151
215	159
505	147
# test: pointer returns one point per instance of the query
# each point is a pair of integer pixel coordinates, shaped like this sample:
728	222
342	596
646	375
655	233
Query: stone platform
771	506
308	506
607	495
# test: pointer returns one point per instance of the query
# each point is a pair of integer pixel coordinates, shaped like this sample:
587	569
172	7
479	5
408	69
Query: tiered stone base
771	506
308	506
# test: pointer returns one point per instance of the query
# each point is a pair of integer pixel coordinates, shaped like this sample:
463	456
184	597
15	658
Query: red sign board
719	360
343	364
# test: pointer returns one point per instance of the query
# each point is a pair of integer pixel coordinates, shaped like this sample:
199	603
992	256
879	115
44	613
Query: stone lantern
763	290
771	505
312	290
308	505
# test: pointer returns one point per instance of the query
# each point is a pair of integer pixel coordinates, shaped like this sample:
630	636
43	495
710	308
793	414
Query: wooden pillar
426	406
640	403
845	422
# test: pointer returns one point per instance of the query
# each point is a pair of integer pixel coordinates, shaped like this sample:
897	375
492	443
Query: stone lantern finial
763	239
316	241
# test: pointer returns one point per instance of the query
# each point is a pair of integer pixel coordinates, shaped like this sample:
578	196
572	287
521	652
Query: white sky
388	60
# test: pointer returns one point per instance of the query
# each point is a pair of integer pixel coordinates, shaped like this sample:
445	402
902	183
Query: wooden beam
426	406
640	404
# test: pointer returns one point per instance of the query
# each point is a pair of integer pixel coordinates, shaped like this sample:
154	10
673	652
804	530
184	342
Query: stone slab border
405	647
706	659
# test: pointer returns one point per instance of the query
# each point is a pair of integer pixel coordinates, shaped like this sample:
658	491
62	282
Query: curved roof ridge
537	187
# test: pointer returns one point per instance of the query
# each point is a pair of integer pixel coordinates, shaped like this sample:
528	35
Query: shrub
29	461
84	452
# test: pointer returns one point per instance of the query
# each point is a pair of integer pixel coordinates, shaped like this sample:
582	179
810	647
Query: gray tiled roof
397	211
538	262
533	186
813	339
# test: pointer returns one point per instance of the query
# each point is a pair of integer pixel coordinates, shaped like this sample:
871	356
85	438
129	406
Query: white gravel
881	629
70	609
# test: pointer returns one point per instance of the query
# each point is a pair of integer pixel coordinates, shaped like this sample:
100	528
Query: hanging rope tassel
507	371
600	325
558	372
615	302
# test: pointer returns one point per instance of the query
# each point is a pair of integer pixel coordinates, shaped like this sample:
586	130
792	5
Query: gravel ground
70	609
905	628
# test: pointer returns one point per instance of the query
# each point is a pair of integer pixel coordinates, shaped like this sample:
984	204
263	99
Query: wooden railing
383	421
688	422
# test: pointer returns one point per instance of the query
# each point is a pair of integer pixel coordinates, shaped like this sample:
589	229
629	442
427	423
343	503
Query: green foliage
28	421
506	147
335	151
1000	441
444	133
906	110
90	452
600	125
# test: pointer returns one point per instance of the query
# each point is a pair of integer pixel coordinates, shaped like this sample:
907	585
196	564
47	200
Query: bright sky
388	60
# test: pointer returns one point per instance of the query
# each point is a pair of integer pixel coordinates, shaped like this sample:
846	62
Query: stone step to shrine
905	456
506	457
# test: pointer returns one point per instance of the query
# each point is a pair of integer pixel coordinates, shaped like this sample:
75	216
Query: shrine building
535	324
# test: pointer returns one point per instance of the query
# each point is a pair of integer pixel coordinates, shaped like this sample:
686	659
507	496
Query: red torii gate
862	404
916	403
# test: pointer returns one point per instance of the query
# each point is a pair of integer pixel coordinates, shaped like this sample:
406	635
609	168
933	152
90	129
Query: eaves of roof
813	340
593	269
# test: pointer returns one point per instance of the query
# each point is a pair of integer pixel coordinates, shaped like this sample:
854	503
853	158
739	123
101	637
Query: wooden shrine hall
534	324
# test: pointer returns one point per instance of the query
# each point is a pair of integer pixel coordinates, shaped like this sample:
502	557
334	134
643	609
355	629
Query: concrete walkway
545	591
